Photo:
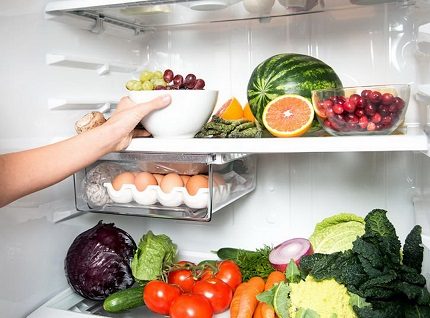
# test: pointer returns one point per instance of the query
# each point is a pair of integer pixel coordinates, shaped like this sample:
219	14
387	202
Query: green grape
158	82
130	84
145	76
137	86
147	86
158	74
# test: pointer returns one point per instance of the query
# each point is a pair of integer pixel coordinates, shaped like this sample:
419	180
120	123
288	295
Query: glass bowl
361	110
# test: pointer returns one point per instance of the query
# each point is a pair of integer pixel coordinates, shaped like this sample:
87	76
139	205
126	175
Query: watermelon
287	73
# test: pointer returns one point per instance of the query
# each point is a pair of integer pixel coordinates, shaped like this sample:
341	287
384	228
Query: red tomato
183	278
191	306
216	291
229	273
158	296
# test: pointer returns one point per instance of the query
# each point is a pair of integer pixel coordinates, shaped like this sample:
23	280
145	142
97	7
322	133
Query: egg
170	181
185	178
144	179
196	182
121	179
158	177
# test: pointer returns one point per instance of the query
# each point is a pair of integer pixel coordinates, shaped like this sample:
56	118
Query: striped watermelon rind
288	73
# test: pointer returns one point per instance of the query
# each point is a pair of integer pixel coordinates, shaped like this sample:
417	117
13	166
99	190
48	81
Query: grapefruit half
288	115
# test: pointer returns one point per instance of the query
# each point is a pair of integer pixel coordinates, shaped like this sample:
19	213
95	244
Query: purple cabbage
97	263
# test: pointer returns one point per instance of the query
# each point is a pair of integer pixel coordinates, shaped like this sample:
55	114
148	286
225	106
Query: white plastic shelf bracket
101	67
74	104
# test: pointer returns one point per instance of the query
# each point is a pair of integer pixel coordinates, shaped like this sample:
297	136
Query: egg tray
178	196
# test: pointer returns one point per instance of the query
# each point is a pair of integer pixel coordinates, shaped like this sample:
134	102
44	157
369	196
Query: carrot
267	311
244	299
257	311
274	278
257	282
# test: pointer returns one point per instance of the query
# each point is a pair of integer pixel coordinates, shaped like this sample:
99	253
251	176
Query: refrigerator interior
42	99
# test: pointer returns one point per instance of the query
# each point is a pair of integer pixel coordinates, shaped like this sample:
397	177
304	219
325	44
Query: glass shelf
411	140
146	15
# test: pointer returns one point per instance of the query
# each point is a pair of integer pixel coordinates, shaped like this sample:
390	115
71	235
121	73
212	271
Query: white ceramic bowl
183	118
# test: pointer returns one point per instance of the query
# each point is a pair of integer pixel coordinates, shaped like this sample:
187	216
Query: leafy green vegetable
336	233
153	254
254	263
373	270
413	250
293	274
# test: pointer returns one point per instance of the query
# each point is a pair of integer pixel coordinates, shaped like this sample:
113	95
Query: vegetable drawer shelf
164	185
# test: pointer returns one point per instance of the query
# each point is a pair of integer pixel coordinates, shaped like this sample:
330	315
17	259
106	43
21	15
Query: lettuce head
336	233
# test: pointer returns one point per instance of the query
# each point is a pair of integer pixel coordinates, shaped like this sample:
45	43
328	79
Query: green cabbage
153	254
336	233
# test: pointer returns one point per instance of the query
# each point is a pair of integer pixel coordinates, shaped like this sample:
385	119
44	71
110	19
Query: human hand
121	125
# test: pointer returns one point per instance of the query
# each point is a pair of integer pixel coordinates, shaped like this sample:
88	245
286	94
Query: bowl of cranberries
361	110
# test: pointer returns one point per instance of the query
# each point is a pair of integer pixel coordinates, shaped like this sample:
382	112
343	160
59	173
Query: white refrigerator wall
294	191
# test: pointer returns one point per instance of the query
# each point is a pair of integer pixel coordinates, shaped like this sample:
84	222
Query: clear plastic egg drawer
175	186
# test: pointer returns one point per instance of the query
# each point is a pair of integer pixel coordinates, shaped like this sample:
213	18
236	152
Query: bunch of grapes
168	80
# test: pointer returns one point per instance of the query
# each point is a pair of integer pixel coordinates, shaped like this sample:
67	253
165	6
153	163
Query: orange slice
247	113
318	106
288	116
231	110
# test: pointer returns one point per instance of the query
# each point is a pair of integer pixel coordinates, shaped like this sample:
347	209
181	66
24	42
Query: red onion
294	249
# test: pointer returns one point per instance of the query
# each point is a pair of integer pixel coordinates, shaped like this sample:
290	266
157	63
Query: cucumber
230	252
124	300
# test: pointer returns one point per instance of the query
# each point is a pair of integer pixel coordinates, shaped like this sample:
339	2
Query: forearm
28	171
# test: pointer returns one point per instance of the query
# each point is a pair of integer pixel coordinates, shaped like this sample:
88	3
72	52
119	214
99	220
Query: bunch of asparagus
221	128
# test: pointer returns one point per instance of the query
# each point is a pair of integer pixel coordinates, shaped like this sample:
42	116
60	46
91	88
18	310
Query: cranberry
363	121
392	108
375	97
365	93
356	99
384	110
359	112
329	112
327	104
387	98
337	109
379	126
341	99
327	123
371	126
351	118
386	120
334	124
376	118
400	103
369	110
349	106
